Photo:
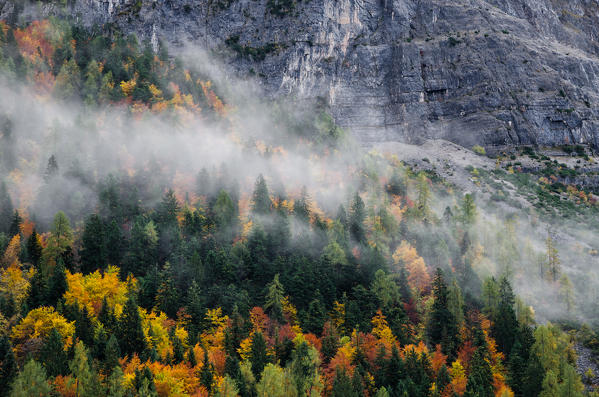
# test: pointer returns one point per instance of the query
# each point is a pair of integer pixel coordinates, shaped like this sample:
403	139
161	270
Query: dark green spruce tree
442	327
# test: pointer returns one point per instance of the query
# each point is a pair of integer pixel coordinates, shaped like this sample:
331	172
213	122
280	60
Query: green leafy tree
31	382
275	382
61	237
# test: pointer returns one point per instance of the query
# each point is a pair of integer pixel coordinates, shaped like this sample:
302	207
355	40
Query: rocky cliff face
495	72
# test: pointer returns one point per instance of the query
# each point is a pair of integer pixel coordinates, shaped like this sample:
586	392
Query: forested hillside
161	237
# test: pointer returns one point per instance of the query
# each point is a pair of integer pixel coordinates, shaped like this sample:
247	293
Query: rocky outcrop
495	72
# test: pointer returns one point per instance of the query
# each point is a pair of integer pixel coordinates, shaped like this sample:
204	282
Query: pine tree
34	248
273	304
38	287
553	261
93	245
516	369
53	356
357	215
114	241
480	380
505	326
178	350
58	283
258	354
51	169
8	365
131	333
442	327
261	203
15	224
301	207
6	208
315	316
112	354
342	386
443	379
206	376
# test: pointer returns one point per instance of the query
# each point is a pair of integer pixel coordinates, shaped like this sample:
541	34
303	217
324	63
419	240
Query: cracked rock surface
494	72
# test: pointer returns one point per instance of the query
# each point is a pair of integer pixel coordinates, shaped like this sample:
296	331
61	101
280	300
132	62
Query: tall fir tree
94	249
442	327
261	204
53	356
131	333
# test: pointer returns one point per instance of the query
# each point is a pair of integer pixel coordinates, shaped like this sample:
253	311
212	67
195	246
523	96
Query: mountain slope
488	72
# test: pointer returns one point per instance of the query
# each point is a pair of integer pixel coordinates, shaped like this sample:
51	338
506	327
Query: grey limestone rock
495	72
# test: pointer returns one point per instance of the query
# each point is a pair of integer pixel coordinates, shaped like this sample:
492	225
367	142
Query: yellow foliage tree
156	327
458	378
11	254
39	323
14	282
128	86
418	276
380	329
92	289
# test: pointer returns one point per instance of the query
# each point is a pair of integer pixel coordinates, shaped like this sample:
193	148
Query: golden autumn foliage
156	326
11	254
128	86
458	378
418	276
39	323
14	282
91	290
380	329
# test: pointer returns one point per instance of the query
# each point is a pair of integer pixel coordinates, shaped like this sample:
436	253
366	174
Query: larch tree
31	382
553	261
